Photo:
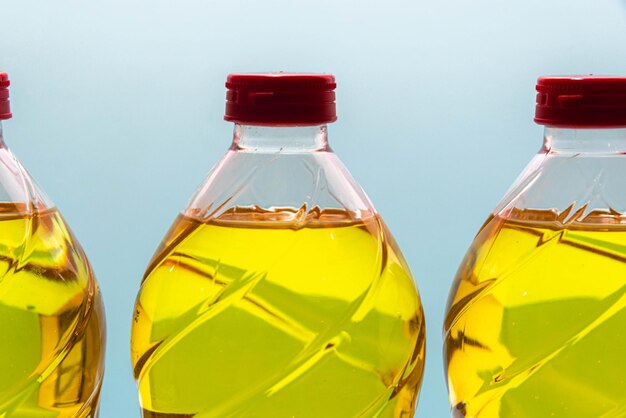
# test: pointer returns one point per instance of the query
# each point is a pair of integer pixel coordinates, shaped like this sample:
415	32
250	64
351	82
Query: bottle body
535	319
278	292
52	343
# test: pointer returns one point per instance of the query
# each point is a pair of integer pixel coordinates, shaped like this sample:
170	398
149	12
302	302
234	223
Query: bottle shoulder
578	183
305	183
18	189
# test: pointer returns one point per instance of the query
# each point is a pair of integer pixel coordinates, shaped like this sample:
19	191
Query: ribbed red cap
5	105
581	101
283	99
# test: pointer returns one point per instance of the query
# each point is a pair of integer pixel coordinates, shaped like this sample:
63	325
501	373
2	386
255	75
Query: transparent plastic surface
51	314
278	292
536	320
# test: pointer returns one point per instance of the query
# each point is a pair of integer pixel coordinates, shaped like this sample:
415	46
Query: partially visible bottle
536	322
52	328
278	292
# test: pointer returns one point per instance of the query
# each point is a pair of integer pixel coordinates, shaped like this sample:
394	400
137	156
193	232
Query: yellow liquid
536	323
51	320
250	315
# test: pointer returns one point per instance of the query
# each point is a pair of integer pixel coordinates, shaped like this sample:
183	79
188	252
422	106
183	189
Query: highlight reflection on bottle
278	291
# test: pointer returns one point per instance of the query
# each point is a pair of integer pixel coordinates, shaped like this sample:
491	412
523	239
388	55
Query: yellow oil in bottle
51	319
253	315
536	323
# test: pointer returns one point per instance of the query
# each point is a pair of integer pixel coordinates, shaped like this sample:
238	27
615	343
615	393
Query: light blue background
118	109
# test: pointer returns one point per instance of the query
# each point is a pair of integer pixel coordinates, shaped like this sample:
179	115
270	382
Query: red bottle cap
5	106
581	102
282	99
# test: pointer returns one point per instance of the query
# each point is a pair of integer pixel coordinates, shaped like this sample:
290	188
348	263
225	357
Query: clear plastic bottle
536	322
51	315
278	292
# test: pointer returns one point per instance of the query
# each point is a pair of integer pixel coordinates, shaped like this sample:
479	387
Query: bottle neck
584	141
1	136
274	139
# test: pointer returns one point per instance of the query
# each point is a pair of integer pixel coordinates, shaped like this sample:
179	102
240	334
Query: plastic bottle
536	323
278	292
51	317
